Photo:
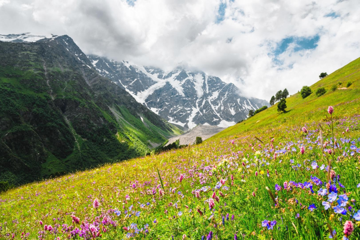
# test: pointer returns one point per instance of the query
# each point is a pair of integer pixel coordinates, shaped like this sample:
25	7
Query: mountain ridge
183	97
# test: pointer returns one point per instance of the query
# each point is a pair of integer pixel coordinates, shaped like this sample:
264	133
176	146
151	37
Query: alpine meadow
179	120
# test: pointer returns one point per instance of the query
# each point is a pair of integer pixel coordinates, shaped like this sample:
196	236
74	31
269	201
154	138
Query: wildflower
330	110
343	199
181	177
235	237
322	191
215	197
257	154
197	194
40	222
200	212
180	213
332	234
277	187
227	217
222	181
340	210
210	236
302	150
332	197
117	212
326	205
256	174
233	217
304	130
96	203
357	216
332	174
348	228
253	193
314	165
332	188
285	185
312	207
75	219
211	203
268	224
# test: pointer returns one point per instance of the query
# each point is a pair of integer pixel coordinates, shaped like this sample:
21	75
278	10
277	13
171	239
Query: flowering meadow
294	182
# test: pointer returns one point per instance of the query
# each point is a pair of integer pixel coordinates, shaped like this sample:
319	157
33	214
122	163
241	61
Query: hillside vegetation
57	115
312	108
274	176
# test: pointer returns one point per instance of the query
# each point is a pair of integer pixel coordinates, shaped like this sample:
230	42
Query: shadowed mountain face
187	98
59	115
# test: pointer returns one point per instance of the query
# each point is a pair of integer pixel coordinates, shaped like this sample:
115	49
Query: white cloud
166	33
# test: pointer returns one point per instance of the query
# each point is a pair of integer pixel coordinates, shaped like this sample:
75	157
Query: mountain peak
25	37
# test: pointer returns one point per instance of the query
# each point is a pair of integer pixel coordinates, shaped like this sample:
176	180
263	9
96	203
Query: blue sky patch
221	13
301	44
131	2
332	15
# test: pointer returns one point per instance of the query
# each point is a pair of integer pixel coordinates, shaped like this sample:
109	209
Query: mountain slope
312	108
187	98
59	115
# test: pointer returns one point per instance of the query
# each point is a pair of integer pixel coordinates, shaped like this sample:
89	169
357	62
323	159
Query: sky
261	46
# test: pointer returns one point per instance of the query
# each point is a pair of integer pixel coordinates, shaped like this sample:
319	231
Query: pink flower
329	151
347	130
256	173
75	219
211	203
253	194
40	222
125	228
302	150
200	212
161	192
222	181
93	229
232	177
181	177
49	228
215	197
96	203
304	130
330	110
45	227
348	228
221	194
197	194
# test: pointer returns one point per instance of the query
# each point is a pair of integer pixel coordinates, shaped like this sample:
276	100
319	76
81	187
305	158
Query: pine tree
272	100
285	93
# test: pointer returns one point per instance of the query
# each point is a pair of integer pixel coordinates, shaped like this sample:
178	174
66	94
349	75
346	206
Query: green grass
170	195
312	108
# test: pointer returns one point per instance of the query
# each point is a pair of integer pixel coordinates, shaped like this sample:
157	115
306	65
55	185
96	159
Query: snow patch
171	120
199	82
155	110
24	37
191	124
94	62
225	124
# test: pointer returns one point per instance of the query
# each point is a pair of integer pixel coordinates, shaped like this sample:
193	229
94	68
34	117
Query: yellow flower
262	172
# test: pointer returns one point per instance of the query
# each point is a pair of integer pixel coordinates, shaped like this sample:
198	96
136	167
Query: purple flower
333	188
312	207
332	197
326	205
277	187
268	224
333	234
322	191
340	210
343	199
314	165
357	216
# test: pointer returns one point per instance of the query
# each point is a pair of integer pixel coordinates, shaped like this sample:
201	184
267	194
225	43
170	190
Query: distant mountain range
186	98
59	115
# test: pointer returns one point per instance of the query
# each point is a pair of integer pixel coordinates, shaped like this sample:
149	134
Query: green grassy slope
312	108
214	190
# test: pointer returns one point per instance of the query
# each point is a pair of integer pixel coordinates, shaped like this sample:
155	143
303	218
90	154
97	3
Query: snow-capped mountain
24	37
182	97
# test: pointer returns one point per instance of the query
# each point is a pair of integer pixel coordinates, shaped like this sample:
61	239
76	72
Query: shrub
198	140
282	105
348	84
339	83
305	91
4	186
334	87
260	109
321	91
323	74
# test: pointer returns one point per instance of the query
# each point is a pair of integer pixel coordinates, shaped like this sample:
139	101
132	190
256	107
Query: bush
260	109
348	84
323	74
320	91
334	87
4	186
198	140
305	91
